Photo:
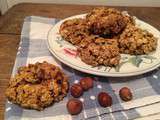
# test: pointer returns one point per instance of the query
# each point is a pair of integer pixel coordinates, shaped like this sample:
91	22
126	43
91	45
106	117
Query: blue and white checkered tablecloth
33	48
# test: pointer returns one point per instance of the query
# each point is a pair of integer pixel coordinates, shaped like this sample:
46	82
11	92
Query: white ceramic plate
66	53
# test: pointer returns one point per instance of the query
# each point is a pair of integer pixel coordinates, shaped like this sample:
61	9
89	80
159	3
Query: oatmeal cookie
97	51
74	30
37	86
136	41
107	21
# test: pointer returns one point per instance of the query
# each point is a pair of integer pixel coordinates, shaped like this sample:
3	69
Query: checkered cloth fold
33	48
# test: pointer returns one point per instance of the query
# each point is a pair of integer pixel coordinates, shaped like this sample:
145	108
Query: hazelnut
86	83
76	90
74	106
104	99
125	94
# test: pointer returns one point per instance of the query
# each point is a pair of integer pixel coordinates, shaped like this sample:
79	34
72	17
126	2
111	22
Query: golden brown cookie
136	41
37	86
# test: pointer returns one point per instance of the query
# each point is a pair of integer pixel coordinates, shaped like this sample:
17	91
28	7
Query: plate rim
100	73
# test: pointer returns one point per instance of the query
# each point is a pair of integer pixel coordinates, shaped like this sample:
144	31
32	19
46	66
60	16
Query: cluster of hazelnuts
74	106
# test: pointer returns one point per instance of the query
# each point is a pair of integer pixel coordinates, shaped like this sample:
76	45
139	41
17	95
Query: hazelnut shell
125	94
86	83
76	90
104	99
74	106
